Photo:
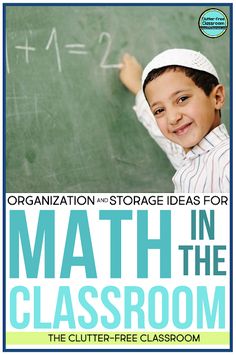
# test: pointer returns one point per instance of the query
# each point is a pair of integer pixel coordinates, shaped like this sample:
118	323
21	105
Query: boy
185	98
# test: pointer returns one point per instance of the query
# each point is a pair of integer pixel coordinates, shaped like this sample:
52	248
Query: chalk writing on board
53	37
7	60
27	50
72	48
76	48
24	106
107	51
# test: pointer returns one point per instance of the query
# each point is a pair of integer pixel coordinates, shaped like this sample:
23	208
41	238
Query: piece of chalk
110	66
119	66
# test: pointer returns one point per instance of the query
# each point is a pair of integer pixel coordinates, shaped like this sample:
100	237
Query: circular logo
213	23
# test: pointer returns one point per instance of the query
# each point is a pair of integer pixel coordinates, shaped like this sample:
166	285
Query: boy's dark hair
202	79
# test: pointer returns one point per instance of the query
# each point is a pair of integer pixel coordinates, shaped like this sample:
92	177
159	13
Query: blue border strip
120	350
231	178
5	5
117	4
4	180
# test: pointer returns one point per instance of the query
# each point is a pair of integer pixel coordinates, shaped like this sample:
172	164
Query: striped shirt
205	168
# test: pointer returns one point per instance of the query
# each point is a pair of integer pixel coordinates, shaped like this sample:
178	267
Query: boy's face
182	110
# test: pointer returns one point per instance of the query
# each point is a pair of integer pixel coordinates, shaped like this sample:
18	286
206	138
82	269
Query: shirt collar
211	140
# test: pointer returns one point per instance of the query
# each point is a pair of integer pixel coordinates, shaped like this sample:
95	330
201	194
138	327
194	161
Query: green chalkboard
70	126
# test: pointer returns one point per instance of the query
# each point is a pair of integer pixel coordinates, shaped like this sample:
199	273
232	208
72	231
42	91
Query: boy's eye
182	99
158	111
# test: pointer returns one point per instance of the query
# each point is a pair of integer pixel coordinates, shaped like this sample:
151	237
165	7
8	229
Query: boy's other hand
131	73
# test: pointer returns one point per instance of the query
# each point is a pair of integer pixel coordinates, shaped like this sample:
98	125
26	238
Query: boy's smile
182	110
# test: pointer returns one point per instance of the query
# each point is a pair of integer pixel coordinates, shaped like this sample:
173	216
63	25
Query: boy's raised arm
131	73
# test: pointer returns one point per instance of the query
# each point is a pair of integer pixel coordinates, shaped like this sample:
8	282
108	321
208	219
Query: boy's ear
219	96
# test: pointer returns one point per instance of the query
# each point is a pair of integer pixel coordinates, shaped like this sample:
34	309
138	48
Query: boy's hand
131	73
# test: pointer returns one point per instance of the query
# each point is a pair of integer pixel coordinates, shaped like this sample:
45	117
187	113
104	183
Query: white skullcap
183	57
